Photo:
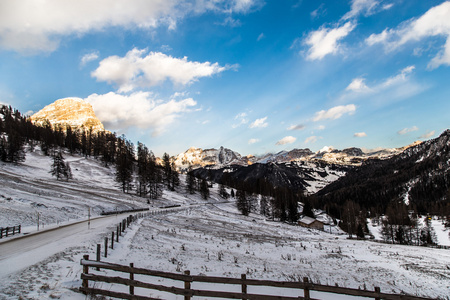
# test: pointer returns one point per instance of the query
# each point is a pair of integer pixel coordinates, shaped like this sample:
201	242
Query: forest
375	190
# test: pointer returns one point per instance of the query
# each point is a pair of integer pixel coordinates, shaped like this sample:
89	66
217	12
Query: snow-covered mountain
196	158
72	112
219	158
419	175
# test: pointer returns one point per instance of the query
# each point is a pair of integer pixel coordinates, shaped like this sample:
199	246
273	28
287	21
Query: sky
254	76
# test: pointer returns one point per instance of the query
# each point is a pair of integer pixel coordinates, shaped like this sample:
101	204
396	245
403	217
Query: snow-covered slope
209	238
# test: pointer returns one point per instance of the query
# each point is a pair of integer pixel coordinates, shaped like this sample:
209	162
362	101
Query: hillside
419	176
209	238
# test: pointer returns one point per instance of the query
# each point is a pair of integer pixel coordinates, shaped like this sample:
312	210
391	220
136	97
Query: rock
73	112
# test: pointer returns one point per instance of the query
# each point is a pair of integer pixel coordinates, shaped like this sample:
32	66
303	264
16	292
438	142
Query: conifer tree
204	190
60	168
190	182
242	203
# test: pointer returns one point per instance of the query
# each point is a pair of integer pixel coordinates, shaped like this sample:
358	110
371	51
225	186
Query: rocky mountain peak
73	112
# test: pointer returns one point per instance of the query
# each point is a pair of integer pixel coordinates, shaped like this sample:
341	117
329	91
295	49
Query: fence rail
7	231
188	279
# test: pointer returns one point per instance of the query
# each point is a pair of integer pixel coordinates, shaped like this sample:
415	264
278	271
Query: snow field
206	238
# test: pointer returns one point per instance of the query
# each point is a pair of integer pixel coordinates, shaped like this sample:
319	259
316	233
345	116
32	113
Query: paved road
17	254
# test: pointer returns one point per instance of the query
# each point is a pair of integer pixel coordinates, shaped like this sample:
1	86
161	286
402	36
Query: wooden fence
189	292
7	231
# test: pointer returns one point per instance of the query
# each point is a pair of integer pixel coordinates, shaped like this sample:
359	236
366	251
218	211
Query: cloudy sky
255	76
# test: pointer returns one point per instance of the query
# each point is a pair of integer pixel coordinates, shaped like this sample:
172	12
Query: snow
208	238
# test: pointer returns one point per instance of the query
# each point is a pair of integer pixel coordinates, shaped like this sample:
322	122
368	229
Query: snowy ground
206	238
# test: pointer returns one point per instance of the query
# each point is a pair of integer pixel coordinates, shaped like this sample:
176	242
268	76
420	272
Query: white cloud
140	109
259	123
399	86
324	41
428	135
39	25
366	7
260	37
88	58
402	77
335	112
286	140
296	127
241	118
136	70
35	26
357	85
360	134
253	141
321	10
407	130
435	22
311	139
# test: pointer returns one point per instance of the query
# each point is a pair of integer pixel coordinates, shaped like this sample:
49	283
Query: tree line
134	171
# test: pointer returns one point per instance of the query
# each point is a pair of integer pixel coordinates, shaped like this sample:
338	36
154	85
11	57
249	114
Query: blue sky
251	75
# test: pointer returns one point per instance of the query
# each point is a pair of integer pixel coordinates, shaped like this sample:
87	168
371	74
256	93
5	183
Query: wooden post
98	254
7	229
244	286
131	278
117	234
106	246
306	289
85	283
112	240
1	233
120	229
187	284
377	290
20	227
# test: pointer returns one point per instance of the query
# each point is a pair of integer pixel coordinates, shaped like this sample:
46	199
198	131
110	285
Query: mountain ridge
73	112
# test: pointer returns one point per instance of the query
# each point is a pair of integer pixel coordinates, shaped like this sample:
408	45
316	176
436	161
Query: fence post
106	246
244	286
112	240
306	288
377	290
1	233
85	283
98	254
117	234
120	229
20	227
7	229
131	278
187	284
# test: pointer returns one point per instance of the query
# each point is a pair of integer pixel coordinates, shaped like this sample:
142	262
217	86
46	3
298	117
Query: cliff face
73	112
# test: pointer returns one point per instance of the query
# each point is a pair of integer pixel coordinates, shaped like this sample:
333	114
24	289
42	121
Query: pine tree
307	210
242	203
174	178
124	164
204	190
167	170
60	168
223	192
190	182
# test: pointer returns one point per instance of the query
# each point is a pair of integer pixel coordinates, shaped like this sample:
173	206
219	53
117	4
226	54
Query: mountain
301	176
420	175
339	175
197	158
73	112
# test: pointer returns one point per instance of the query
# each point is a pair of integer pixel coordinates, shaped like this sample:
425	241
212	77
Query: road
18	254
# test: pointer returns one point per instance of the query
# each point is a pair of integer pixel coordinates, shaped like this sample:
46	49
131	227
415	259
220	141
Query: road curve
20	253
